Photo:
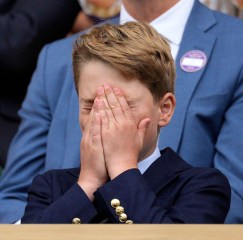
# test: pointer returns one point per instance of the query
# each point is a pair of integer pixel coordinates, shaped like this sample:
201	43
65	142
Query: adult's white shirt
171	24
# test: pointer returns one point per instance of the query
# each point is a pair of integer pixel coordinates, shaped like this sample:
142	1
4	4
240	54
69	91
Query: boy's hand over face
93	171
122	137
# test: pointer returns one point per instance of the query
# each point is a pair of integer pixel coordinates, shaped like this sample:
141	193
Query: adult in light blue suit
206	129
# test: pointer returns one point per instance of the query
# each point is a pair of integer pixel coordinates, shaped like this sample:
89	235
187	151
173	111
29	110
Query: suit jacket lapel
164	170
196	37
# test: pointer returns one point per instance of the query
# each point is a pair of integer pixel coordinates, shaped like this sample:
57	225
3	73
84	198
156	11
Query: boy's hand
122	138
93	171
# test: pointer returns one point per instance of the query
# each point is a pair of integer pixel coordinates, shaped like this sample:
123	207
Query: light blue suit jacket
206	130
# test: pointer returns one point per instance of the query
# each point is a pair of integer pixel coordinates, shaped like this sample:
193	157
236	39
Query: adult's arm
28	149
229	151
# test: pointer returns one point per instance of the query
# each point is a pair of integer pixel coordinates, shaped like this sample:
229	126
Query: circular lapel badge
193	61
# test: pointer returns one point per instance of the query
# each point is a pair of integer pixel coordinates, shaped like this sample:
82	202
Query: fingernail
116	90
100	90
106	86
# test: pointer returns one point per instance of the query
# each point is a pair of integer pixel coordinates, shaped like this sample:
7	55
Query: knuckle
95	134
107	108
126	108
114	105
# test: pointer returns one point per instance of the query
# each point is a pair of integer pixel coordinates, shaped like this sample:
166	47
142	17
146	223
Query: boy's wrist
116	170
89	187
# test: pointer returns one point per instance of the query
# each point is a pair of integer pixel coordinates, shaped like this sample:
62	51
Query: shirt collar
167	24
144	164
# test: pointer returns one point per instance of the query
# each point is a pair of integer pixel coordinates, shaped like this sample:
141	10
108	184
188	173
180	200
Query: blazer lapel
164	170
196	37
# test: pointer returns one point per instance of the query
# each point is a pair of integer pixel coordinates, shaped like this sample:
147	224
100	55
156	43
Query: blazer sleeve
229	149
28	149
42	208
204	199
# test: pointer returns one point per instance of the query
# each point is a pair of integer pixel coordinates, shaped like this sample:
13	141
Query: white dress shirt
170	24
144	165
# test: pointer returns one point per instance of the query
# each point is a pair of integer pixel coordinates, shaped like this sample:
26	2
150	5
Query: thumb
142	127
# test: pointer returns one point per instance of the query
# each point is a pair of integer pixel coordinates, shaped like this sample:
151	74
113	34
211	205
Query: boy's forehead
95	75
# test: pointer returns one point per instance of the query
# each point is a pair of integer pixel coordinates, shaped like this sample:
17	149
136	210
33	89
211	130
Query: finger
124	105
101	96
113	103
86	139
86	130
92	121
104	118
95	125
95	106
143	127
96	133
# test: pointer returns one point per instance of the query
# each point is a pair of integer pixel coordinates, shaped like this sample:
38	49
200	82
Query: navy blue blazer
206	128
170	191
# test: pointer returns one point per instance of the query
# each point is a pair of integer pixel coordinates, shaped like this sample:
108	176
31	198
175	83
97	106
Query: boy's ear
167	105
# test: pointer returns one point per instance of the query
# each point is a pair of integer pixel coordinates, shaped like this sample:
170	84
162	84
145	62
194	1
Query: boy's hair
134	49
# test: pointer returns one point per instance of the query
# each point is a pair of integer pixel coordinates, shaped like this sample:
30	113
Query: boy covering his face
124	77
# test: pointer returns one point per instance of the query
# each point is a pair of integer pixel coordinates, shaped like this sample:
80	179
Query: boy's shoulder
71	172
58	177
170	168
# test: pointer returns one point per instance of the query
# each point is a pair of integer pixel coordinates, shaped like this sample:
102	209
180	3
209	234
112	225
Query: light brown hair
134	49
